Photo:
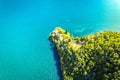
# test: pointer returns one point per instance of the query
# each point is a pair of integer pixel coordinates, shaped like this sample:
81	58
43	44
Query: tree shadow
57	59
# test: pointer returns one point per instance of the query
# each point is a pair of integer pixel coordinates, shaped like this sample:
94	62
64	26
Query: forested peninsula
91	57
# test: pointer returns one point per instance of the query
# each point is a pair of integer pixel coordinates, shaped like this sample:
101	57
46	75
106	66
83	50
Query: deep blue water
25	51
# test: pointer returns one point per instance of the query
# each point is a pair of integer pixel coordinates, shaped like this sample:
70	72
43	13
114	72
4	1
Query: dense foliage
98	57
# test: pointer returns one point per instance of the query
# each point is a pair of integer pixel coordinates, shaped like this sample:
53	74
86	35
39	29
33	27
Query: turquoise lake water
25	25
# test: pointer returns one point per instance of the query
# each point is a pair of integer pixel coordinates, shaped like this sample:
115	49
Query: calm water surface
25	25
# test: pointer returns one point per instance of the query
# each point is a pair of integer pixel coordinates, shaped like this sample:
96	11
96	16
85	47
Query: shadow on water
57	59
